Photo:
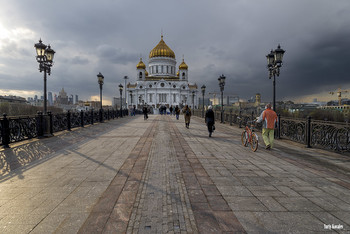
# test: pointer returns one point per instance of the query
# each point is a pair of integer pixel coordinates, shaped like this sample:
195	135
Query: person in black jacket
210	119
145	112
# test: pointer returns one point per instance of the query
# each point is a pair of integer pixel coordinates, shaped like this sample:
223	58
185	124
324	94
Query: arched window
183	75
140	75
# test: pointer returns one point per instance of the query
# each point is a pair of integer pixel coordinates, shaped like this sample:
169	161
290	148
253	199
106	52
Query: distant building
12	99
62	98
116	102
70	100
49	98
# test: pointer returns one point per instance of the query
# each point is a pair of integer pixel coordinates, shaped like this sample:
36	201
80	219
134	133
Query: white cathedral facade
162	84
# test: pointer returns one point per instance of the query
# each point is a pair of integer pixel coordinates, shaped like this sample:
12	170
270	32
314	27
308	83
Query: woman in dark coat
187	115
210	119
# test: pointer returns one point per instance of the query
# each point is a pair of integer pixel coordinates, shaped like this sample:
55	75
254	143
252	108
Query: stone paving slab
156	176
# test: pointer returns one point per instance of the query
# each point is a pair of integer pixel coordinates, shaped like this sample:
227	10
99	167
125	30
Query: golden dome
177	73
141	65
146	73
183	65
161	50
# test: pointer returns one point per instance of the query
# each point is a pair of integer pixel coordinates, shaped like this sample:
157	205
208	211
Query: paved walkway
134	176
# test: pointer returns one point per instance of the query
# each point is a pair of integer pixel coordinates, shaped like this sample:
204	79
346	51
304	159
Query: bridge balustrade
313	133
19	128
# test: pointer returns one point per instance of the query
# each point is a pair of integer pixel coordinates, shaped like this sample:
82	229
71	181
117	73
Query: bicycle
249	136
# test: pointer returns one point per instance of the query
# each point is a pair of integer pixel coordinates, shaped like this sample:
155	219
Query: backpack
188	112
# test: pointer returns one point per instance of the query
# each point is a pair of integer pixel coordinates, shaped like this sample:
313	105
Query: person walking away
269	119
187	115
145	112
177	112
210	119
171	110
134	110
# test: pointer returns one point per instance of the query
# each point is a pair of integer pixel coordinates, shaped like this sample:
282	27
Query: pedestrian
145	112
177	112
187	115
210	120
171	110
134	110
269	119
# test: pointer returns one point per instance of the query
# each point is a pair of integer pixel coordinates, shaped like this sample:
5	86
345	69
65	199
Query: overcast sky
230	37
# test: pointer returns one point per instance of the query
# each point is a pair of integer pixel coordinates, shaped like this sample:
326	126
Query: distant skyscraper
41	97
76	99
70	99
49	98
35	97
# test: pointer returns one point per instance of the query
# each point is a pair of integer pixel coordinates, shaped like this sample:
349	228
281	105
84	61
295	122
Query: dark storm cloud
216	37
115	55
79	60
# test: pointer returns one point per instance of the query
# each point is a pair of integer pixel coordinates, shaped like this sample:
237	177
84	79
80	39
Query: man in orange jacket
269	118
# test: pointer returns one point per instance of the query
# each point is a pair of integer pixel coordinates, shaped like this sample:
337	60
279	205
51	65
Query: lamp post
203	92
221	80
193	99
125	78
274	62
100	80
121	99
45	59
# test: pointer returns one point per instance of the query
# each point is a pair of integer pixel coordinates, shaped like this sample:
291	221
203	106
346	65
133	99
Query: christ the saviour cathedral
162	84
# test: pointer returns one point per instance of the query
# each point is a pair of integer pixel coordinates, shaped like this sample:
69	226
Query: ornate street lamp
221	80
100	80
193	99
274	62
131	103
45	59
121	99
203	93
125	78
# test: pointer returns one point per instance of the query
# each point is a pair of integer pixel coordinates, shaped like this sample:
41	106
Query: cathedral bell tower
141	70
183	71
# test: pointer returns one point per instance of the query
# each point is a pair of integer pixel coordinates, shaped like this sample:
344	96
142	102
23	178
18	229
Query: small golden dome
177	73
183	65
161	50
141	65
146	73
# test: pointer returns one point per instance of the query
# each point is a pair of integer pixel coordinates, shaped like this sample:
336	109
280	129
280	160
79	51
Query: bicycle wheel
244	138
254	142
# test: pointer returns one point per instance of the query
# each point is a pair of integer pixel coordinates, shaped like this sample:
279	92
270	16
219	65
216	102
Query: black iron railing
313	133
14	129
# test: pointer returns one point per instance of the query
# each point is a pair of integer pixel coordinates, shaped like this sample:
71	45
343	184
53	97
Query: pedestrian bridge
128	175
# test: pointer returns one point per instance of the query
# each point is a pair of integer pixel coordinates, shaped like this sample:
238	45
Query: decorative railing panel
22	128
87	117
96	116
60	122
75	119
293	129
330	136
